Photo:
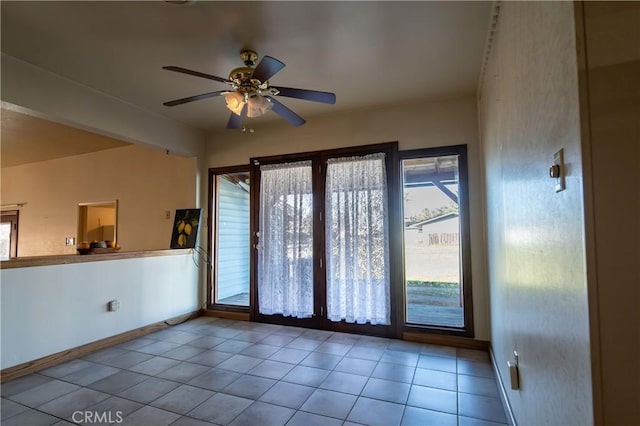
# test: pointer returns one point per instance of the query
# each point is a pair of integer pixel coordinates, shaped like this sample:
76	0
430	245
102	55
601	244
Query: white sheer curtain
285	257
357	239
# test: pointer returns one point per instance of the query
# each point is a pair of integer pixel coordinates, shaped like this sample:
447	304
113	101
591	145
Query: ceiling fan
250	94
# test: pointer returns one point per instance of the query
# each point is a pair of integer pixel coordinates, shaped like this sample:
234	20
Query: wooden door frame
315	320
319	161
467	330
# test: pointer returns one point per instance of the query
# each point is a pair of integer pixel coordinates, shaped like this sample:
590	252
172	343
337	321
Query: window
229	283
436	239
9	235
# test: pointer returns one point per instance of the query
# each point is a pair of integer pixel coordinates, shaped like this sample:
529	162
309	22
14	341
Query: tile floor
217	371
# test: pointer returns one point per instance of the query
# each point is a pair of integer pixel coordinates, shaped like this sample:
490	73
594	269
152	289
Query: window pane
432	241
9	235
232	236
5	240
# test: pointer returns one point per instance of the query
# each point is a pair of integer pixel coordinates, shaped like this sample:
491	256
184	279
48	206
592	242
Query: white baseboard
502	390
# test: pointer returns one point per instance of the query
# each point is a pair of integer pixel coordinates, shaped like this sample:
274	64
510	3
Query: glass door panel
232	252
432	243
285	247
357	239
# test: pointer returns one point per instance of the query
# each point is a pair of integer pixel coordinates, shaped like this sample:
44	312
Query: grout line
417	351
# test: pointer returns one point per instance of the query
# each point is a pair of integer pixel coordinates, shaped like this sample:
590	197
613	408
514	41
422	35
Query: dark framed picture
185	228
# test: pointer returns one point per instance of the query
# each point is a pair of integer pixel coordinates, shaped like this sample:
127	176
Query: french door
322	246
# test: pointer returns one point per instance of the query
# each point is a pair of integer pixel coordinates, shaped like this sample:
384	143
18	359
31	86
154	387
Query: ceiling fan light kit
235	102
250	94
257	106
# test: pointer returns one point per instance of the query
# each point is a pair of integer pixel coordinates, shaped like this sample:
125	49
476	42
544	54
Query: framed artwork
185	228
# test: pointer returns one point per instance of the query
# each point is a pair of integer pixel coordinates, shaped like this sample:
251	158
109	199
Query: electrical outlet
70	241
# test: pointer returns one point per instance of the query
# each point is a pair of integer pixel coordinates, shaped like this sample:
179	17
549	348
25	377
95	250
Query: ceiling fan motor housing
242	76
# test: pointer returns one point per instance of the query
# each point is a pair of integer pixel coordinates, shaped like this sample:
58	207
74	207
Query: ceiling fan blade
267	68
284	112
307	95
235	121
195	73
194	98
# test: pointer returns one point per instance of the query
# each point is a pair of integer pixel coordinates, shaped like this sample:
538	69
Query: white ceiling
368	53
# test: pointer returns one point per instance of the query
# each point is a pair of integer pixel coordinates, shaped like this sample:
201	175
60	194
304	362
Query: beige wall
611	95
415	125
146	182
536	257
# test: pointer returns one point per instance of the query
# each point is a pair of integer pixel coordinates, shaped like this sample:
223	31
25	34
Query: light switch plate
558	158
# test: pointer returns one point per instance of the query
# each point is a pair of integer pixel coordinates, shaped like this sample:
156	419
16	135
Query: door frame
212	240
467	330
255	315
319	162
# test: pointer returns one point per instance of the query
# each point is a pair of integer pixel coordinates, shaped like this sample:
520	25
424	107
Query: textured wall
145	181
536	257
612	42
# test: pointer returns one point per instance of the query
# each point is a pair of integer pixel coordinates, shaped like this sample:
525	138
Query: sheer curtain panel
285	255
357	240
